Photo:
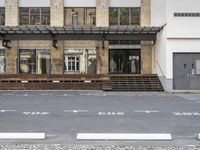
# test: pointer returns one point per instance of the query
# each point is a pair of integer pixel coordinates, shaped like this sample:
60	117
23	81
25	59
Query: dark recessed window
2	16
124	16
34	16
186	14
34	61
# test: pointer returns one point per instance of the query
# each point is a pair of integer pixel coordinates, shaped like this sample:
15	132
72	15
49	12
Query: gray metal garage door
186	71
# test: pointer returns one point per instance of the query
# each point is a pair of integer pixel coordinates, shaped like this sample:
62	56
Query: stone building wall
146	49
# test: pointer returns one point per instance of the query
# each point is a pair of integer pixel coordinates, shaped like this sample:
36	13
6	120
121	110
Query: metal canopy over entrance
123	33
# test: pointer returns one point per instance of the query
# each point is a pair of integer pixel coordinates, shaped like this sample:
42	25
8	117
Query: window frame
2	9
85	16
35	51
30	15
129	15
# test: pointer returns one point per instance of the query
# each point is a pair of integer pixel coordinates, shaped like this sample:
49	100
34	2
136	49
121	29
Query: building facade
177	49
101	37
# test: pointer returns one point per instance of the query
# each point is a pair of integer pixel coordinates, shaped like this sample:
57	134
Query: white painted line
56	81
22	136
146	111
87	81
8	94
75	111
116	136
24	81
8	111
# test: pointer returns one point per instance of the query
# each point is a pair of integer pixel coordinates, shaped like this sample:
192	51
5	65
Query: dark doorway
186	71
124	61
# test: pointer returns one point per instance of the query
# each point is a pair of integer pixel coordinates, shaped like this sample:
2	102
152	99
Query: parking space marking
75	111
111	113
36	113
186	113
8	94
7	111
146	111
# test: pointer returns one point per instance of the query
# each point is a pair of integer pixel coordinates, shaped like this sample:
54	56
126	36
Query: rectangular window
114	18
79	61
124	16
2	61
2	16
135	16
32	61
80	16
34	16
72	63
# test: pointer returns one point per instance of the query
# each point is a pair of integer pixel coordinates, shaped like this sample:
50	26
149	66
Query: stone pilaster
102	58
102	20
57	13
57	58
145	13
146	49
11	58
11	12
102	13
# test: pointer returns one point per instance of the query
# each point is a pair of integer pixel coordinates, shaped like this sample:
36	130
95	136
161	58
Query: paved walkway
95	147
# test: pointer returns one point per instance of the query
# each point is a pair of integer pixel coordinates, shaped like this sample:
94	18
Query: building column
102	57
57	58
102	20
57	20
57	13
11	58
146	49
11	13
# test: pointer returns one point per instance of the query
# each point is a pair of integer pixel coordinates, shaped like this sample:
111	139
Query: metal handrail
160	69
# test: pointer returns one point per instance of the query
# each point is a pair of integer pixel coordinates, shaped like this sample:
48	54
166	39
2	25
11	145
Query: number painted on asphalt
186	113
111	113
35	113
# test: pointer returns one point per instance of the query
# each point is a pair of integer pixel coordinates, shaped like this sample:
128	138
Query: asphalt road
63	114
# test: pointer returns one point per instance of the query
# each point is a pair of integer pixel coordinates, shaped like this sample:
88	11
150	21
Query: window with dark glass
135	16
2	61
80	16
2	16
34	16
124	16
32	61
113	15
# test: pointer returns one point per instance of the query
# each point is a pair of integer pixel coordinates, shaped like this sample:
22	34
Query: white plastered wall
125	3
34	3
181	34
2	3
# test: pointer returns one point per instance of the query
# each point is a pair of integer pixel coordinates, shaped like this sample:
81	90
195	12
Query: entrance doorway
124	61
186	71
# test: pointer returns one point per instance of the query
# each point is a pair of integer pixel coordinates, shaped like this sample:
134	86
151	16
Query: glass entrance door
124	61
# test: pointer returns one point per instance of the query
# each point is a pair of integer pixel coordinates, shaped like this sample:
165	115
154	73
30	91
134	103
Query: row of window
187	14
76	16
38	61
75	61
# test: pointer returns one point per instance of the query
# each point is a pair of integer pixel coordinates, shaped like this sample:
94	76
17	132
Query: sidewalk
94	147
